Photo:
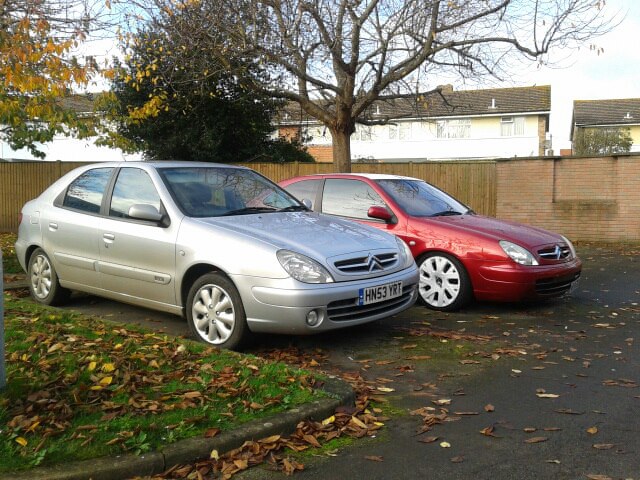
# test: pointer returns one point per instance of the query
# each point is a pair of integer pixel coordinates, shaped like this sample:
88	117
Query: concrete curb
193	449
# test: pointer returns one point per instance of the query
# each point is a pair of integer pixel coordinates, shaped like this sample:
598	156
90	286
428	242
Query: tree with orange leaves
38	71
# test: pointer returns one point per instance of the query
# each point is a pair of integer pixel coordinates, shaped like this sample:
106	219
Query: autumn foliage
38	71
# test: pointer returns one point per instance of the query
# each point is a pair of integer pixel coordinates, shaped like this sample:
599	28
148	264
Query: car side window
349	198
305	189
86	192
133	186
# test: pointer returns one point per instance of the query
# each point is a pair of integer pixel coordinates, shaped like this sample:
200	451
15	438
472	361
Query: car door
71	228
352	198
137	257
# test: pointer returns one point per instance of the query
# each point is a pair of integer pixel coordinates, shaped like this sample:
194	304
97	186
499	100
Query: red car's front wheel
444	282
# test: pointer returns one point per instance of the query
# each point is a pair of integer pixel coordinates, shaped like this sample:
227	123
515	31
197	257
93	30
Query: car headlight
406	257
517	253
303	268
570	245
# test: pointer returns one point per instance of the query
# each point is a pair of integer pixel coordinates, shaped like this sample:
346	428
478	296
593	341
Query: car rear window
86	192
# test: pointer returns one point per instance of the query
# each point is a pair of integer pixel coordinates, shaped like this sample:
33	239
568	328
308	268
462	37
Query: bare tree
336	57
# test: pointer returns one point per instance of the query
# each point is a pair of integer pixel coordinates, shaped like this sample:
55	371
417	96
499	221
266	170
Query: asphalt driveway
547	390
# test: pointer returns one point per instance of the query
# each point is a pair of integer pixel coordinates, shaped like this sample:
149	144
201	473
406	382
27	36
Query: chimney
448	88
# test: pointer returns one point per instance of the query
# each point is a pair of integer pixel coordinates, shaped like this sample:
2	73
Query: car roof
370	176
165	164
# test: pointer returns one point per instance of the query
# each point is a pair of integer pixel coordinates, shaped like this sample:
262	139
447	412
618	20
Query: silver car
221	245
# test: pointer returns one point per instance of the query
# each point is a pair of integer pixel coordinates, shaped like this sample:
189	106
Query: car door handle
53	226
109	236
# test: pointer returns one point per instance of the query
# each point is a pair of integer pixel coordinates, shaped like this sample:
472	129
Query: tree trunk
341	151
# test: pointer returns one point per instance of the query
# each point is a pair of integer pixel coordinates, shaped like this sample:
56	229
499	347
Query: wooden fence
473	183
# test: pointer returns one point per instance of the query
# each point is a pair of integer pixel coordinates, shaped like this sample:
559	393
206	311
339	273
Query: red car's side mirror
380	213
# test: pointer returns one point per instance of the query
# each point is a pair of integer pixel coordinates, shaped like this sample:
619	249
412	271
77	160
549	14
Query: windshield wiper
248	210
294	208
445	213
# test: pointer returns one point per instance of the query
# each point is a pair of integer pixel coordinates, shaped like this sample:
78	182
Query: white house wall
417	140
67	149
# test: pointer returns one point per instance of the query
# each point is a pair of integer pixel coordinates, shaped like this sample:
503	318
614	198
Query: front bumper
282	305
510	282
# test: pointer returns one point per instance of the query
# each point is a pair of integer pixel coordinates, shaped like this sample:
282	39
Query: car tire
43	280
444	283
215	313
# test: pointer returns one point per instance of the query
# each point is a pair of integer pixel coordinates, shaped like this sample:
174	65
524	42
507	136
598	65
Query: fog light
312	318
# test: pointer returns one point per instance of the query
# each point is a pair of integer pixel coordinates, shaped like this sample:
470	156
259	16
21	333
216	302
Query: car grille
554	287
555	252
344	310
368	264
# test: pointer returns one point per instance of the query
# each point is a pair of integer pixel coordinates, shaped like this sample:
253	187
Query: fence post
3	375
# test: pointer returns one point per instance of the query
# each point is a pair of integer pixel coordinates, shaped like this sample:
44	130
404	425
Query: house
69	149
441	125
608	115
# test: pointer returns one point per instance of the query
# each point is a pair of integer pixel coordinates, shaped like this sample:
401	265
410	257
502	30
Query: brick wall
587	199
322	154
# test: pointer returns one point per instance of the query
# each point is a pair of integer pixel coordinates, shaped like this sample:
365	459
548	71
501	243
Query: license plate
379	293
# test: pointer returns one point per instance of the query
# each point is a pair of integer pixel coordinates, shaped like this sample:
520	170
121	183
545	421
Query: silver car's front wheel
43	280
444	283
215	312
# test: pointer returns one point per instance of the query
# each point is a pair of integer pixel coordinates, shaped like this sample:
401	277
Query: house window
512	126
404	131
393	132
454	128
363	133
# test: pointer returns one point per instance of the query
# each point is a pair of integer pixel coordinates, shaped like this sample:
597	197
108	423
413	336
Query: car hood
524	235
315	235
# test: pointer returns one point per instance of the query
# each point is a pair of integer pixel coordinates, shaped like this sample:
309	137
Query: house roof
80	103
450	103
623	111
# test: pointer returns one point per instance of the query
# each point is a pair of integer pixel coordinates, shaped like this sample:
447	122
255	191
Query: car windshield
219	191
419	199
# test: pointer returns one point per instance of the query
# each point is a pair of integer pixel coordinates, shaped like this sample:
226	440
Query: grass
81	388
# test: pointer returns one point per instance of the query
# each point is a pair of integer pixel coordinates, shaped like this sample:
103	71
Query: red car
461	255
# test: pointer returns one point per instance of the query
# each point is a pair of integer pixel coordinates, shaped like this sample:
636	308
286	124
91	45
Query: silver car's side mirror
307	203
144	211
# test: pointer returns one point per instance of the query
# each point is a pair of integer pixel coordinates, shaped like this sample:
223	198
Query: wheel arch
191	275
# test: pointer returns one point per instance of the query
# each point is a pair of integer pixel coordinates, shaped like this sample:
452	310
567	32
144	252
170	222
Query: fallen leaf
211	432
445	444
536	440
385	389
329	420
592	430
108	367
530	429
214	455
603	446
547	395
458	459
568	411
22	441
489	408
557	462
374	458
593	476
429	439
488	431
310	439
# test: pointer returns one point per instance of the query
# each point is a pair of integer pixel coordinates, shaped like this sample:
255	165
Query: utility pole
3	375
